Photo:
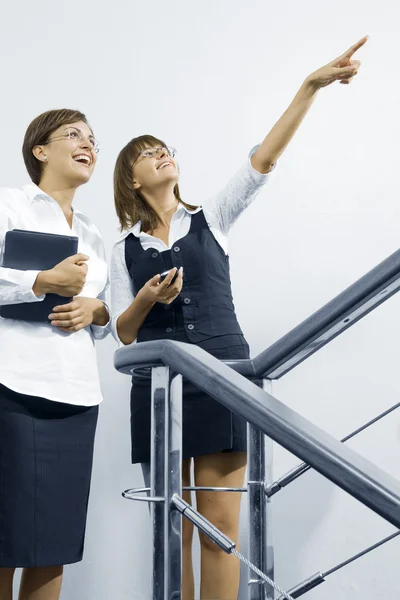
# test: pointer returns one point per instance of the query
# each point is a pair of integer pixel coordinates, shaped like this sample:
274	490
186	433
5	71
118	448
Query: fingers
154	280
66	315
167	281
83	266
353	49
347	73
169	294
176	286
67	323
74	305
72	329
78	258
65	319
344	59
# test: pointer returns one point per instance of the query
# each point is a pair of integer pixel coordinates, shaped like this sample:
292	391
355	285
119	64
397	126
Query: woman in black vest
163	233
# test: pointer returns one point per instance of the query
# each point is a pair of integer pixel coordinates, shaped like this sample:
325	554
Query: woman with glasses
49	384
193	304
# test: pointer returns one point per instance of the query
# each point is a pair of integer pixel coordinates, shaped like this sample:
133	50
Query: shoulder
135	230
13	202
118	249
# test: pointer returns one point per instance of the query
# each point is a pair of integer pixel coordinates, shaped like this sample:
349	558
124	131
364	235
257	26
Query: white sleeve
101	331
122	294
15	286
240	191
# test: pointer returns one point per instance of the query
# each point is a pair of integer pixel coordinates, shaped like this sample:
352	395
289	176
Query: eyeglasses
76	134
150	152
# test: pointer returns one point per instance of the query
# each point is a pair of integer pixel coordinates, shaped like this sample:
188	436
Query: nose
85	143
162	152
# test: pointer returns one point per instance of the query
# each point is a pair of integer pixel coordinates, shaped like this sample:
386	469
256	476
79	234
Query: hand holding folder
32	250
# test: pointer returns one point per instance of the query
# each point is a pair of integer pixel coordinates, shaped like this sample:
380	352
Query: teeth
164	165
84	158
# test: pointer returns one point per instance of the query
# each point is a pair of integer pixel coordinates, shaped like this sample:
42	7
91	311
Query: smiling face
69	154
153	168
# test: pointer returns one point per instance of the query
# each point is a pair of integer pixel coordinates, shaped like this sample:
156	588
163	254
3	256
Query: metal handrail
338	463
356	301
299	470
265	414
343	311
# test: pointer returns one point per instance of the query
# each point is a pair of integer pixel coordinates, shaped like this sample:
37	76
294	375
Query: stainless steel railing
266	415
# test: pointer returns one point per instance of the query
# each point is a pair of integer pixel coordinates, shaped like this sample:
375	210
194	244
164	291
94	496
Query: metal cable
360	554
296	472
261	574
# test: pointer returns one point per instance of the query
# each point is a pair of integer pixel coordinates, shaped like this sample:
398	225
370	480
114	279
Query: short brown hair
38	133
130	204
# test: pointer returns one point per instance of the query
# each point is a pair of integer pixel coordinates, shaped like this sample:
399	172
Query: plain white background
211	78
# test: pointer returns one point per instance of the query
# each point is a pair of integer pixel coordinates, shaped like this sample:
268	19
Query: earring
45	158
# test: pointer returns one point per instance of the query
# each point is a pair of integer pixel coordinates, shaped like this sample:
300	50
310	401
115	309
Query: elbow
123	336
262	165
126	341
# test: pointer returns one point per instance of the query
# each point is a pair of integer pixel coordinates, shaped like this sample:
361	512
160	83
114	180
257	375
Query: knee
227	525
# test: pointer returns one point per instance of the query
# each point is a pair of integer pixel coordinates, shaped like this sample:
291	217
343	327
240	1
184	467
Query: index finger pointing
356	47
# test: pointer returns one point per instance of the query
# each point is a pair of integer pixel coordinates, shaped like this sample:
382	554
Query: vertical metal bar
173	486
260	548
160	377
268	480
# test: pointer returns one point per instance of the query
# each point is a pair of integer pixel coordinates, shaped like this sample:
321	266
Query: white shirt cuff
27	282
101	331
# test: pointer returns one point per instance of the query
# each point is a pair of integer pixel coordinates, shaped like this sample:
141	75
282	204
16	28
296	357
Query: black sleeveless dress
203	314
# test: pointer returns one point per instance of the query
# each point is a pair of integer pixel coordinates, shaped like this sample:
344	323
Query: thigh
187	526
186	465
224	469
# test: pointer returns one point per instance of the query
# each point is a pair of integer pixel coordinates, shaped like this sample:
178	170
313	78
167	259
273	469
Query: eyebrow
77	129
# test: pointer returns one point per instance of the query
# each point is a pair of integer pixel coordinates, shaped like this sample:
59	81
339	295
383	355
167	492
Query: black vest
204	307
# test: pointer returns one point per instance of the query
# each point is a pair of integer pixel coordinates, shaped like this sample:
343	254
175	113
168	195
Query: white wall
211	78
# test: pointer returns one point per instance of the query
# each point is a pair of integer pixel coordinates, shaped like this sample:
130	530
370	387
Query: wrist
310	86
100	313
143	300
42	284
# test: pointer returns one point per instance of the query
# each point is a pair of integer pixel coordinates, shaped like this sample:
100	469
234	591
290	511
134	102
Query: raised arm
342	69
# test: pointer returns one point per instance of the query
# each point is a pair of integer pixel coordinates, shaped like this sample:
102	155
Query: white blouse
39	359
221	213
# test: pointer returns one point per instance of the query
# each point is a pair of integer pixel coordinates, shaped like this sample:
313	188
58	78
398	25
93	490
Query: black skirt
208	427
46	454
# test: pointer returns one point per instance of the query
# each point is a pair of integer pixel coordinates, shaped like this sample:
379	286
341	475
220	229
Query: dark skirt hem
46	455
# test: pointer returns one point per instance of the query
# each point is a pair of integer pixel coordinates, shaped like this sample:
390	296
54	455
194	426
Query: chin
81	178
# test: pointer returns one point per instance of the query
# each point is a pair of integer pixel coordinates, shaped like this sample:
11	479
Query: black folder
35	251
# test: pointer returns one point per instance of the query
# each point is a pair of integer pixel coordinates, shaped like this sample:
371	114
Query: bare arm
341	69
130	321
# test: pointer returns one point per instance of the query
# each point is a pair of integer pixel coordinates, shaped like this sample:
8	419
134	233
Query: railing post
173	486
165	481
260	535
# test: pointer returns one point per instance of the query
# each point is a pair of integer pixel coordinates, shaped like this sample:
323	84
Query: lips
165	163
84	159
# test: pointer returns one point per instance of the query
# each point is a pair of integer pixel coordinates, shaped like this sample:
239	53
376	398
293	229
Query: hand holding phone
164	275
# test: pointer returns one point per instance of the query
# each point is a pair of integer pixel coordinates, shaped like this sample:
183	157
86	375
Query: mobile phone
165	273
